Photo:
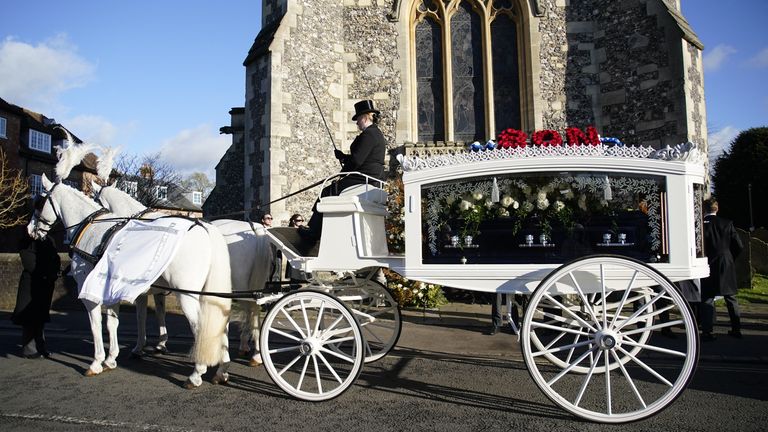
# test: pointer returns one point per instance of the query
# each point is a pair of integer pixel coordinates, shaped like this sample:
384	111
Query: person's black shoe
735	334
708	337
492	331
45	354
36	355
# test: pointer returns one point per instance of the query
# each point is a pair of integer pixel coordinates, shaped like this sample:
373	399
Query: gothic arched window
467	74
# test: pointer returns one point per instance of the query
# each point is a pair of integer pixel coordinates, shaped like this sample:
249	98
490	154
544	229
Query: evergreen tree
745	163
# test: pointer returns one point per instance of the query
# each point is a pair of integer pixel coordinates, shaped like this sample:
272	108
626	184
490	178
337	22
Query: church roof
682	23
262	41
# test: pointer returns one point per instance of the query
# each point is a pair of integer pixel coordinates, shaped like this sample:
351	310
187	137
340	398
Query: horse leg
94	317
160	315
256	333
141	326
245	329
112	323
191	308
222	376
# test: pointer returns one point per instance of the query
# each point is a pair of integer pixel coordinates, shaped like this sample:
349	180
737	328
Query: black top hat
363	107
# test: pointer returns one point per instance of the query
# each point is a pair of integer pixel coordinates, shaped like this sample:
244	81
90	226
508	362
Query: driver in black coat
366	155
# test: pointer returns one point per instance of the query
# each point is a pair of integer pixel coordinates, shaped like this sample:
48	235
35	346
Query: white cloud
93	129
759	60
717	56
34	76
720	141
197	149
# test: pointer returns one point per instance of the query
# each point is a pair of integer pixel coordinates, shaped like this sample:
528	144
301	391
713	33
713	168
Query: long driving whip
330	135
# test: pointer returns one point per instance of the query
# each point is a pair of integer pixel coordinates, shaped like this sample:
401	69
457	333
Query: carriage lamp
529	240
607	238
622	238
543	239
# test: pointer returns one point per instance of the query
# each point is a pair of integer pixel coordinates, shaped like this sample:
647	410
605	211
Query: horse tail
214	311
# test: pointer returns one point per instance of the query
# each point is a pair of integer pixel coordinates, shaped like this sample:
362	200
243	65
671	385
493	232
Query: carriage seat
290	238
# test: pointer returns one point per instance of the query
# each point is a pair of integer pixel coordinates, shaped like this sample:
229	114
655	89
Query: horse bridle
46	229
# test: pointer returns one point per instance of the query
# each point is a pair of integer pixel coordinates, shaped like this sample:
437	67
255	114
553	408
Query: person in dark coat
721	245
41	265
366	155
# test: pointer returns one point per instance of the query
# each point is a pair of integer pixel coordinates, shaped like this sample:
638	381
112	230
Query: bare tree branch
14	192
149	172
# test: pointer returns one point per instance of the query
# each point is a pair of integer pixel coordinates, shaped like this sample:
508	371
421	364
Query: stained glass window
429	81
506	76
467	62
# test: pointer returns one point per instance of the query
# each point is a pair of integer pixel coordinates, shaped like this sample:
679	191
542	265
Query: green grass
757	294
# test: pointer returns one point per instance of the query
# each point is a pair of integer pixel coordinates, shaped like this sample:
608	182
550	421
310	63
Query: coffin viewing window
466	69
544	218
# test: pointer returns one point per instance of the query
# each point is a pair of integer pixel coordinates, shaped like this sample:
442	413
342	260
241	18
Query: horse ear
95	186
47	184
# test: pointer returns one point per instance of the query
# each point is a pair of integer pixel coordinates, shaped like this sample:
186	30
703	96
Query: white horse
250	260
200	265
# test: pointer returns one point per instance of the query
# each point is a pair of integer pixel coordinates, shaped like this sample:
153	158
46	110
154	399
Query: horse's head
45	214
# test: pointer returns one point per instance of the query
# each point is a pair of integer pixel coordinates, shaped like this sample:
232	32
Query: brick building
448	72
29	141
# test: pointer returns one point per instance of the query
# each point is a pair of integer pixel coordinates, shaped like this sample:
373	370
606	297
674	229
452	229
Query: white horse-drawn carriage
597	297
594	235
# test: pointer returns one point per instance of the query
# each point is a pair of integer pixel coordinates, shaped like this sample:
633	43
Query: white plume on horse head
105	163
69	156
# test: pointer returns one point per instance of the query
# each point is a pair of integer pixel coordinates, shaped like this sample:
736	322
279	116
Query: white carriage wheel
649	380
562	359
311	345
376	311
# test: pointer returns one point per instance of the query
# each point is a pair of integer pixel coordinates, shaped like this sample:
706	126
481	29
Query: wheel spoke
303	373
288	366
338	341
578	318
605	300
286	349
637	313
560	329
330	369
293	323
645	366
608	383
304	313
317	375
561	348
584	300
656	312
629	379
284	334
624	298
570	366
655	348
587	378
653	327
319	316
339	355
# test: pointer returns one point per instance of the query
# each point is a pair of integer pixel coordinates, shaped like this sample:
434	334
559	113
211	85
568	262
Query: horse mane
80	195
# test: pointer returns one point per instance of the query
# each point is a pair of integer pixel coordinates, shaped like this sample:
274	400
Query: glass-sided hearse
594	236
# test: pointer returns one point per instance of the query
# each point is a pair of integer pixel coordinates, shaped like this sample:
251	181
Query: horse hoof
255	363
217	380
90	373
160	349
243	354
189	386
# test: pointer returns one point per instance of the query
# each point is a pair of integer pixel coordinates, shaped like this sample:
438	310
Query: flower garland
515	138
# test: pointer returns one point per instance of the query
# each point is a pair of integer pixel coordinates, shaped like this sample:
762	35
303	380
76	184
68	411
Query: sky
149	76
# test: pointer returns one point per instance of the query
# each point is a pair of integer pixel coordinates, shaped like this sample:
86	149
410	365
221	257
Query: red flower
512	138
576	137
547	138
